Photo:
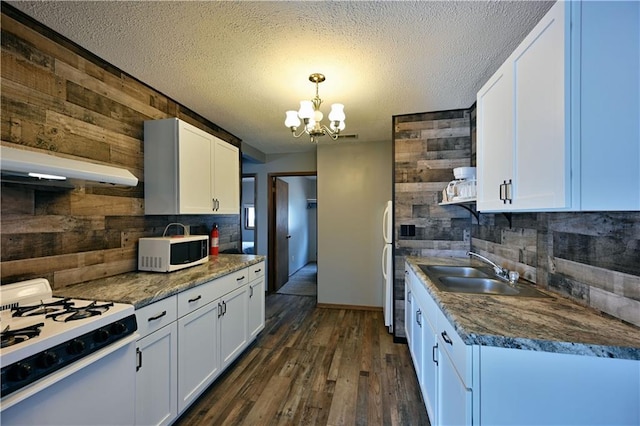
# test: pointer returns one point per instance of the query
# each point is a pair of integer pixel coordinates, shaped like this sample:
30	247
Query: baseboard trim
354	307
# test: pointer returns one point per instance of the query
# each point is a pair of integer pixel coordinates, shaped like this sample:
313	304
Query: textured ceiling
241	64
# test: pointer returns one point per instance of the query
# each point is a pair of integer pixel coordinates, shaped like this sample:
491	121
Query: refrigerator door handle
384	260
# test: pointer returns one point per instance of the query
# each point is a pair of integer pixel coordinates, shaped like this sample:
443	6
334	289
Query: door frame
271	223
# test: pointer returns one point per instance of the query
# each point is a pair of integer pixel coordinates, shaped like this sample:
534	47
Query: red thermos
215	240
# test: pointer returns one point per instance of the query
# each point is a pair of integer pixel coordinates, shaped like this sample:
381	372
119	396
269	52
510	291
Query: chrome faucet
502	273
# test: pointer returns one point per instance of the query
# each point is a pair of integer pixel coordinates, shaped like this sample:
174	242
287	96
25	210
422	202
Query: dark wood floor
313	366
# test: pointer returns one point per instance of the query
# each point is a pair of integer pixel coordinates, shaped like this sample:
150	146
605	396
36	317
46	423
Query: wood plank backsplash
61	98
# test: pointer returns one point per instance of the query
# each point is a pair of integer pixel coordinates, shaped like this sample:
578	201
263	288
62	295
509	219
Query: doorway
292	220
249	225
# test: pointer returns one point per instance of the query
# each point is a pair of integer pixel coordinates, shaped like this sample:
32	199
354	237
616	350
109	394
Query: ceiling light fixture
311	116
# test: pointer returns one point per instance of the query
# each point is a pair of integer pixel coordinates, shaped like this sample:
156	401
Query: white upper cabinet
558	123
188	171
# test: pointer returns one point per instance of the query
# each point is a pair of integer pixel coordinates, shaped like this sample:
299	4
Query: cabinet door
541	174
495	139
429	379
416	346
194	162
157	377
233	324
198	351
256	307
408	302
226	178
454	399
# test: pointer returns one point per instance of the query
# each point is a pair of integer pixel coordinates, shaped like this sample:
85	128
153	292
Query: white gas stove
46	340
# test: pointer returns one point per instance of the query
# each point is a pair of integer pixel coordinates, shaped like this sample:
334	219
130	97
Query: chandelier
311	116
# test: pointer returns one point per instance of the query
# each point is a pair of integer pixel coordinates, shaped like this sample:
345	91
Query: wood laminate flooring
315	366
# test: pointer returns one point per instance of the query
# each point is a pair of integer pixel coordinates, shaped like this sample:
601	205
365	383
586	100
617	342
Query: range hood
30	167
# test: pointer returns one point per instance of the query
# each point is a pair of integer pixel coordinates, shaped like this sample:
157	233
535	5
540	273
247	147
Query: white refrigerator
387	265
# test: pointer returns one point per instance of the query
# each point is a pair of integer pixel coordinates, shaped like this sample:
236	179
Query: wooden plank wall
593	258
60	98
427	147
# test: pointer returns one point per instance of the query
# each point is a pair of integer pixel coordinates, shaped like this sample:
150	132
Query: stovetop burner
41	308
73	313
12	337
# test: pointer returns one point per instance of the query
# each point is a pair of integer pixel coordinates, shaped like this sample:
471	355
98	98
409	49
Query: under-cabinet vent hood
30	167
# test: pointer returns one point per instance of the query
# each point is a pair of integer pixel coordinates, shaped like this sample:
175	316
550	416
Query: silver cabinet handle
419	317
139	359
250	291
446	338
433	353
220	313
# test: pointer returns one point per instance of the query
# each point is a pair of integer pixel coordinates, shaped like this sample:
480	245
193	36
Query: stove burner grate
41	308
10	337
73	313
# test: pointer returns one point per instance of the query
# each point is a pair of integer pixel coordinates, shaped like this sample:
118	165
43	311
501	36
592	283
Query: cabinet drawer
459	353
156	315
230	282
196	297
256	271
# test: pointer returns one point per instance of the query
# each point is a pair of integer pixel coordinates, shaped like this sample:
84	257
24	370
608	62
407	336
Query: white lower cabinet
256	300
198	353
233	324
486	385
189	339
157	364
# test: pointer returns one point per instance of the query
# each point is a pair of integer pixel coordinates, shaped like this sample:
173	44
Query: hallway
304	282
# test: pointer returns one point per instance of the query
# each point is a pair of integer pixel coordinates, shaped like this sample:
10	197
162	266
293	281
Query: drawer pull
419	317
257	270
240	279
219	310
195	299
446	338
157	317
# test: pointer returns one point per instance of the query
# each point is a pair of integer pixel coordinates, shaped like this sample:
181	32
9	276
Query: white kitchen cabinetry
198	342
557	124
157	364
425	358
190	338
256	300
188	171
487	385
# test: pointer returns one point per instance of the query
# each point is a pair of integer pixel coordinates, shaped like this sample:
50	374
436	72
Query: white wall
354	183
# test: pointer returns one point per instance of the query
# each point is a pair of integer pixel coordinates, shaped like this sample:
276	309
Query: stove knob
100	336
118	328
47	359
75	347
19	372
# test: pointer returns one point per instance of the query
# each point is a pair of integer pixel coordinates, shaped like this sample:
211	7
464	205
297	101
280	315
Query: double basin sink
475	280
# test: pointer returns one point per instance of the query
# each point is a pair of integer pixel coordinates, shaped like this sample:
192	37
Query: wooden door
281	252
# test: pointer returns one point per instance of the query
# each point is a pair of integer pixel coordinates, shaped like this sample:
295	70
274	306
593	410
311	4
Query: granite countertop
143	288
554	324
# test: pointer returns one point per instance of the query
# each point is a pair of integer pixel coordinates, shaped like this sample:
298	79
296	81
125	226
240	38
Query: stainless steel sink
478	285
454	271
475	280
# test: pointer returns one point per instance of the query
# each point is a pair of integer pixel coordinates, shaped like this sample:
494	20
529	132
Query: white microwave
167	254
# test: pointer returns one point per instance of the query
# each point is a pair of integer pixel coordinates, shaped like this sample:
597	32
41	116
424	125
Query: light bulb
306	110
292	119
337	113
